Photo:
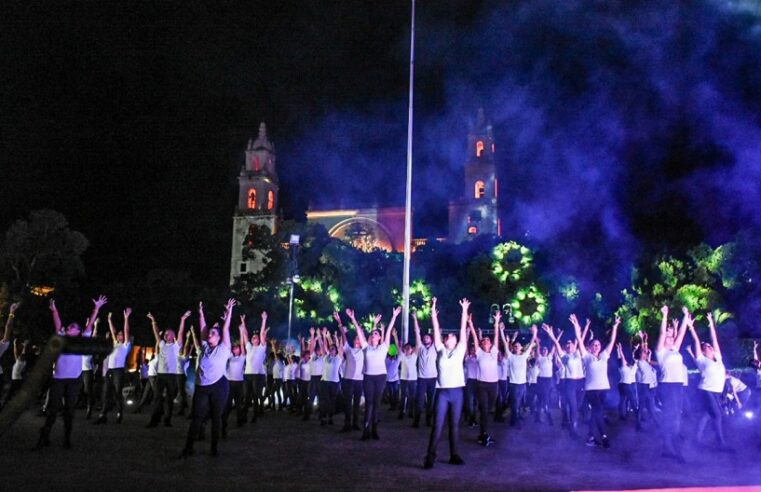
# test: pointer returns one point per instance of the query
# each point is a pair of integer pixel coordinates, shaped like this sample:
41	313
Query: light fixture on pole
408	194
293	276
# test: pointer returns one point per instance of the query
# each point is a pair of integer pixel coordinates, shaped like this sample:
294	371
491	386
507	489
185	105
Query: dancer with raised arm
234	374
210	396
115	362
545	381
427	374
671	382
64	389
408	377
647	381
517	361
712	378
450	384
166	380
5	342
255	374
315	369
487	355
330	376
352	382
627	389
573	383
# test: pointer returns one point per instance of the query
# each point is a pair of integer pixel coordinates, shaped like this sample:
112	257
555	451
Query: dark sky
613	119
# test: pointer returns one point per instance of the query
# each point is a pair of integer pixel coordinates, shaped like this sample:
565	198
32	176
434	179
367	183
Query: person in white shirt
115	362
427	375
487	355
181	373
670	385
234	374
315	370
212	388
278	377
627	388
545	382
305	378
502	385
149	390
712	379
573	370
646	378
375	347
166	379
393	364
330	378
596	383
5	343
450	383
351	384
19	367
517	361
255	374
64	389
408	378
88	376
470	366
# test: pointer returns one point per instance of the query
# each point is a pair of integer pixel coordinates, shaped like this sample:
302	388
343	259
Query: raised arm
111	328
418	338
181	329
127	313
497	319
679	338
243	333
548	330
695	339
613	335
312	339
577	332
465	304
755	350
360	330
394	315
621	355
505	341
534	339
201	321
435	322
263	330
339	345
97	304
194	337
664	328
226	324
9	322
155	328
714	338
57	325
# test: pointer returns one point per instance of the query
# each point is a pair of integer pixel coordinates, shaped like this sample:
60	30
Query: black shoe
43	441
89	413
374	433
456	460
365	434
118	417
592	442
605	442
428	462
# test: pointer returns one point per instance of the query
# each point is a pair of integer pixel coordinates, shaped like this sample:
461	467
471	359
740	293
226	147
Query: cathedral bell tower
257	201
476	211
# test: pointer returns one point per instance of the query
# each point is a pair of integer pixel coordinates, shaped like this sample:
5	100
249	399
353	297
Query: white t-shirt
518	365
153	367
427	365
670	362
712	373
17	372
627	374
255	356
737	385
330	369
278	369
118	356
392	369
488	365
212	363
562	372
503	370
596	371
168	353
304	374
235	368
409	367
532	374
574	366
316	364
375	359
87	363
68	366
646	373
355	363
183	363
450	368
544	363
471	367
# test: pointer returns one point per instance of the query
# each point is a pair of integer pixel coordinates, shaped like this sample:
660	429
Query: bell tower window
270	200
252	198
472	230
480	189
479	148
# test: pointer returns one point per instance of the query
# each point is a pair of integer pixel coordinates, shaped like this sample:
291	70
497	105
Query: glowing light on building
252	198
42	290
270	200
479	148
480	189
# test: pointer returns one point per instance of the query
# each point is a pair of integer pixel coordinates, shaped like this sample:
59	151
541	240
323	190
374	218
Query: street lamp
293	276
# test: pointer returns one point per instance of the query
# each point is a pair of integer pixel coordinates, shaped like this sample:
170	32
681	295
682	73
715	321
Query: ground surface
283	453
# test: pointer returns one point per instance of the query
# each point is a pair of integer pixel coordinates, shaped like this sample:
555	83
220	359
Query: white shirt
255	356
183	363
409	367
627	374
532	375
646	373
737	385
503	371
304	373
212	363
235	368
488	365
596	371
316	365
17	372
449	367
118	356
471	367
544	363
518	365
375	359
168	353
330	369
68	366
355	363
712	373
427	362
670	362
392	369
574	367
87	363
153	367
278	369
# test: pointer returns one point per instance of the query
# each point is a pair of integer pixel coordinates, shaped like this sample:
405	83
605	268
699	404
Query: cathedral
474	213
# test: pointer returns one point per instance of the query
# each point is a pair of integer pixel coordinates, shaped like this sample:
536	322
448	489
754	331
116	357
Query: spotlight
748	414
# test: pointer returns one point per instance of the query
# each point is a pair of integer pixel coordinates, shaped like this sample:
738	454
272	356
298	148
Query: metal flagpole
408	197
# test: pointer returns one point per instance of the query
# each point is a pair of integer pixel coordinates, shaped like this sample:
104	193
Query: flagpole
408	196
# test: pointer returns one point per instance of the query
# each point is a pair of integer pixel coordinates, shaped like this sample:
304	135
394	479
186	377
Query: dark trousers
114	380
596	400
711	412
269	391
645	400
544	388
373	386
277	396
352	391
426	388
149	390
314	391
471	399
254	393
448	404
487	396
573	388
64	393
235	399
88	388
392	389
627	398
517	393
292	393
208	401
408	394
304	404
164	404
328	395
671	414
182	390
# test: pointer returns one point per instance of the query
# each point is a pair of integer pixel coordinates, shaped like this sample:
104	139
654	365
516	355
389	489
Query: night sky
621	127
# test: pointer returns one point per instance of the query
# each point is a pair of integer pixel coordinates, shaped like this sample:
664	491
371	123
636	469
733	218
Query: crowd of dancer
447	379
